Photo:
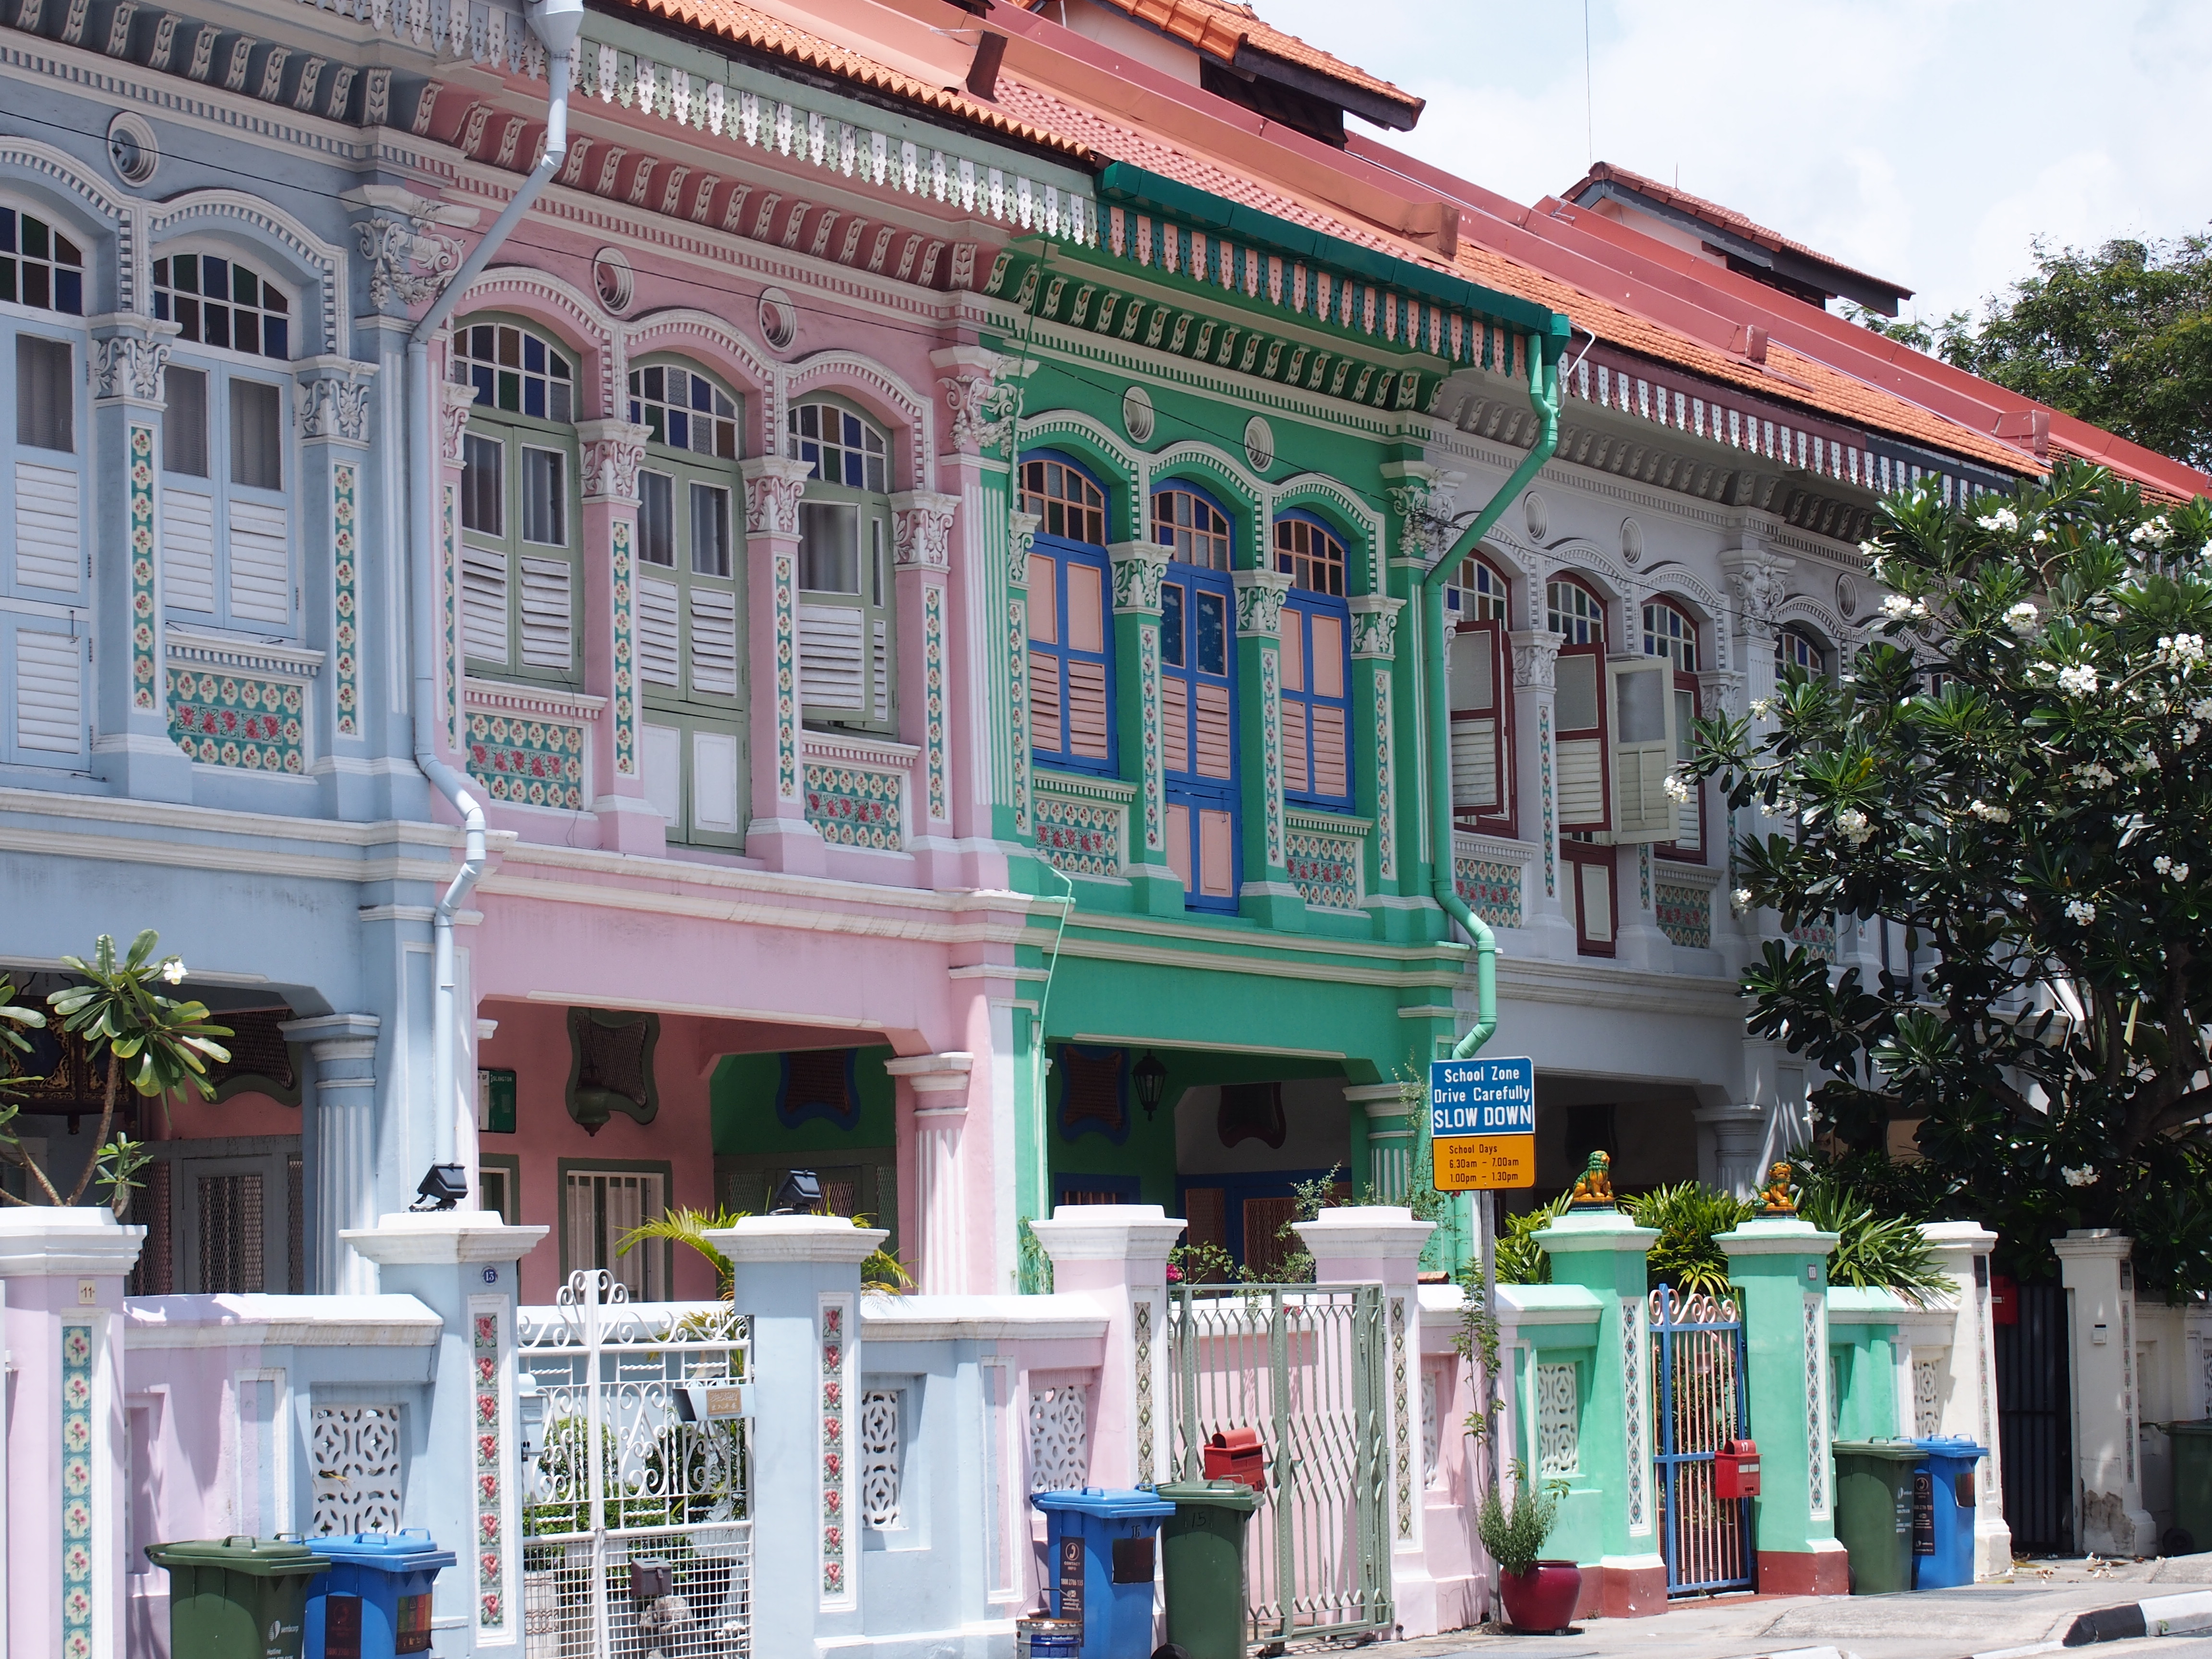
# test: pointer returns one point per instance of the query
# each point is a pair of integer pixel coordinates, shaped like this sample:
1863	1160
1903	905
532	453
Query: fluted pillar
1535	669
779	832
338	1148
935	1087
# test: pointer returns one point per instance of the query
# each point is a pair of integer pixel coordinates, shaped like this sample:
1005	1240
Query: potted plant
1539	1596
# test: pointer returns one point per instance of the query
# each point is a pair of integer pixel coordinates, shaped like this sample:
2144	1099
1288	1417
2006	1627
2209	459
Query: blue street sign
1484	1096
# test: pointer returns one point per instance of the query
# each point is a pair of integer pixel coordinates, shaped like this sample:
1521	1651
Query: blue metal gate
1698	1361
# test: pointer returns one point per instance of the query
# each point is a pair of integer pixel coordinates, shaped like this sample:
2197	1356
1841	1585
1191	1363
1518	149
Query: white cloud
1926	143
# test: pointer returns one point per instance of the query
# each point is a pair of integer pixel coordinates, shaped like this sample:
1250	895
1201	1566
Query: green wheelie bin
1202	1558
1873	1512
2191	1530
237	1598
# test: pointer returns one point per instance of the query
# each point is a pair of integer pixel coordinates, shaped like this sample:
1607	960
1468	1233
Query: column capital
613	452
933	1074
774	484
1356	1243
1758	579
1139	568
441	1238
983	392
1259	595
334	398
1535	657
334	1037
129	353
2089	1245
828	1240
1782	1236
922	529
1375	625
456	399
1391	1097
43	1242
1021	536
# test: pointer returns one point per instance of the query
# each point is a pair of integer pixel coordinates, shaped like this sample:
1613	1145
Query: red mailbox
1736	1469
1237	1455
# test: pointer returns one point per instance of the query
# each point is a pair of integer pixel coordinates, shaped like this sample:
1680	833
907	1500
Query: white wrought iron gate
644	1550
1303	1365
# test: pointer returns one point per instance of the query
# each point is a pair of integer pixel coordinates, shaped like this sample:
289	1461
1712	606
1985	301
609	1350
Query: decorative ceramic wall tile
487	1428
1686	914
932	694
853	806
833	1315
1817	935
237	720
142	667
527	761
1081	837
345	598
1325	865
1544	765
625	630
78	1594
1492	888
1386	805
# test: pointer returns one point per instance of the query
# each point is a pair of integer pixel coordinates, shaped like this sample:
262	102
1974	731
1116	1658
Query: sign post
1482	1134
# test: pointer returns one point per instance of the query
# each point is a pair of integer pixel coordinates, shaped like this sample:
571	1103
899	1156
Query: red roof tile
1217	27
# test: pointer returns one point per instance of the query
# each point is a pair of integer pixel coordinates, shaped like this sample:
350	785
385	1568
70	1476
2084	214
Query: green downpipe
1544	399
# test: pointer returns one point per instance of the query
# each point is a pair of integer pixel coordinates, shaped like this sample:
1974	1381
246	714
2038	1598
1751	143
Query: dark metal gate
2035	1423
1700	1401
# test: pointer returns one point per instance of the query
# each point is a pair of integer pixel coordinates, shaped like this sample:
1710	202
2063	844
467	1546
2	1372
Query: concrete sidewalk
2039	1605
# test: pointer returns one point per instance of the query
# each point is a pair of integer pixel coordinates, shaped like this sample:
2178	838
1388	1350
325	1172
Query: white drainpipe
556	23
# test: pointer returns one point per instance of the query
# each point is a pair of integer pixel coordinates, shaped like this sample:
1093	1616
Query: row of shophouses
915	544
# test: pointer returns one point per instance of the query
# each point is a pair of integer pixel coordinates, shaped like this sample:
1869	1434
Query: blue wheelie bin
1943	1512
374	1603
1102	1557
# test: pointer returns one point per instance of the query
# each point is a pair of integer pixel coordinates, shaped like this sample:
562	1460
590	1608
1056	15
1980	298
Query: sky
1926	142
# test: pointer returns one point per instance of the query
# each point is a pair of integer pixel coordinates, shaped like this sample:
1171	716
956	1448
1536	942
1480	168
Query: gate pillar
1382	1244
461	1263
1603	1251
1780	1267
798	1277
1116	1257
63	1454
2100	1320
1962	1255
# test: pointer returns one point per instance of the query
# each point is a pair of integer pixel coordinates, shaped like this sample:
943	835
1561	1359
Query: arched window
521	498
227	557
1070	643
688	565
1574	612
45	632
847	675
1477	603
1577	616
1315	643
1795	648
1309	554
1193	526
1671	632
1197	699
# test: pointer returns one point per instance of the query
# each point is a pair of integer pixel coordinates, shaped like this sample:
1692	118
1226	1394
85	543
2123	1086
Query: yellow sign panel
1479	1164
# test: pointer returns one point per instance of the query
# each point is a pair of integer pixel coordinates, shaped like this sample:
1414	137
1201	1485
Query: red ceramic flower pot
1542	1598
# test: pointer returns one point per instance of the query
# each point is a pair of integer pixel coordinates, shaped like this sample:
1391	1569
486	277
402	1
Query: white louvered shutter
659	655
483	602
1581	782
879	667
1643	703
831	658
47	520
548	623
260	565
1579	708
1474	720
713	641
48	691
188	550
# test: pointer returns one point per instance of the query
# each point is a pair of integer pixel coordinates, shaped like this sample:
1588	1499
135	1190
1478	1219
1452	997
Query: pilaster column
453	447
1738	1133
1266	894
1115	1256
67	1461
798	1277
1382	1244
779	832
2110	1517
1139	568
612	451
1637	942
921	543
934	1099
1780	1269
1021	537
118	486
1970	1408
1604	1251
337	1146
1374	682
1389	1136
461	1264
334	451
1535	664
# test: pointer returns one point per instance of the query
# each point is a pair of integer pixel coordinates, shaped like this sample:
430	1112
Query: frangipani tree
2017	774
153	1044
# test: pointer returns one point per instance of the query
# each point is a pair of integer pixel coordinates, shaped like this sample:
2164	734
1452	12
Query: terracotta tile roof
1217	27
1712	213
748	25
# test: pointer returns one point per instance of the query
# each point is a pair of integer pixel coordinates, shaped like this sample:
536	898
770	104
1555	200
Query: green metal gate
1303	1365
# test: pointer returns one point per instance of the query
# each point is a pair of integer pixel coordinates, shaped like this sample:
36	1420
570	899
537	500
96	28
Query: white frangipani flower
1989	814
2078	679
1742	899
2004	519
2023	619
1896	606
2081	911
1677	791
1855	824
173	970
2152	532
2079	1175
2094	772
2182	651
2166	867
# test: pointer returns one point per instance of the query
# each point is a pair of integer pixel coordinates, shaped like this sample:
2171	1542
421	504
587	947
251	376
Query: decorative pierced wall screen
1060	1439
1431	1442
1558	1421
881	1455
357	1453
1927	1399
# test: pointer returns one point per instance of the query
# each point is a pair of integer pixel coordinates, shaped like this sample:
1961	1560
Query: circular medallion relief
131	149
1258	444
614	279
1540	516
1631	541
1847	597
1137	419
778	319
